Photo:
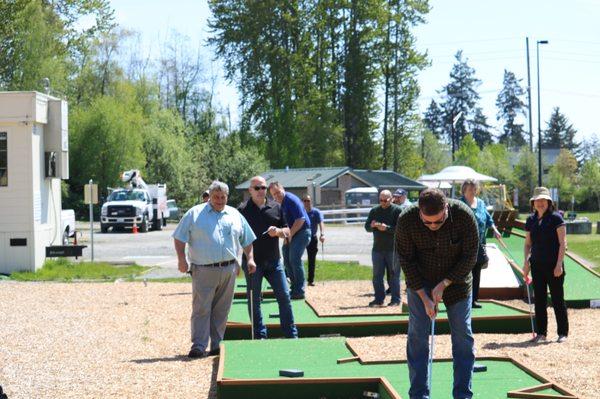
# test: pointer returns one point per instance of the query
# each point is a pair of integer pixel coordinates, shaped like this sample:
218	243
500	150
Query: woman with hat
545	246
469	190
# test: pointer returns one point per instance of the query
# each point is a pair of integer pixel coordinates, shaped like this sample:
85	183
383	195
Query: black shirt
544	240
266	248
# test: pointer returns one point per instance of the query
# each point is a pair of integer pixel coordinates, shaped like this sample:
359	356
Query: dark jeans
476	280
311	251
292	260
275	275
543	278
383	261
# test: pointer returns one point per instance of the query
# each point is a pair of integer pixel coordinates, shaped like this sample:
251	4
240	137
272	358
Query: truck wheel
164	220
158	224
144	225
103	228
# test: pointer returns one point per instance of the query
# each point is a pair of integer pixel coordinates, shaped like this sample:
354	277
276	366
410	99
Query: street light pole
529	98
539	112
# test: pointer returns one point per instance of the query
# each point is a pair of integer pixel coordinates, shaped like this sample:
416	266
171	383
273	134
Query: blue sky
491	35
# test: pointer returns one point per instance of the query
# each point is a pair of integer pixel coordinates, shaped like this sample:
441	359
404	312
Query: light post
539	112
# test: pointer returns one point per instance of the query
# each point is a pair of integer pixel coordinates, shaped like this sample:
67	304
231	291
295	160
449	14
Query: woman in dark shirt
545	246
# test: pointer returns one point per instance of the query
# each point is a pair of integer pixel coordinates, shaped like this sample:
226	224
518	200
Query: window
3	159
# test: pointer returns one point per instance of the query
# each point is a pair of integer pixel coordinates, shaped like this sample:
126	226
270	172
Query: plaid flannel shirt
427	257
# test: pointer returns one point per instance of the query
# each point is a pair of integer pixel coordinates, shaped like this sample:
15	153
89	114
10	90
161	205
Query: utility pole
529	98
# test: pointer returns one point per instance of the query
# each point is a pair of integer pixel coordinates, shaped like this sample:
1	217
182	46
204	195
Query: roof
387	179
456	174
300	177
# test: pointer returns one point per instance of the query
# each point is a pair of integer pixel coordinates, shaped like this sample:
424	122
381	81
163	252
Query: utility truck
141	205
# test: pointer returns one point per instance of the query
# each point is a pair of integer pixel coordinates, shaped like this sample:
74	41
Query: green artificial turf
581	285
317	357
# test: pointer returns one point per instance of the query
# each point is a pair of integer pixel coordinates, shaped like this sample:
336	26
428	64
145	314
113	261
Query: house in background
328	186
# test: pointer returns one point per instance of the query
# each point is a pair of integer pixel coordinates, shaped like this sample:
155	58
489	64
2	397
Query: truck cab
126	207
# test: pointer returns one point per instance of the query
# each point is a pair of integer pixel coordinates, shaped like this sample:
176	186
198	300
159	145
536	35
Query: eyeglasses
305	200
434	222
259	188
384	200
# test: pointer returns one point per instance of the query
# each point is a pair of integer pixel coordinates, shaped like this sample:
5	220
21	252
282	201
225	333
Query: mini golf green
493	317
250	369
582	285
241	287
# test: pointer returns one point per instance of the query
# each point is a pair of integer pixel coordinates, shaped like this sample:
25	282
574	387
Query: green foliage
563	175
65	270
559	132
106	138
435	154
525	175
494	161
510	106
590	180
468	153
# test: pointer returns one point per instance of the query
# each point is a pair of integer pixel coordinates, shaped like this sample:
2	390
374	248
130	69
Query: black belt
218	264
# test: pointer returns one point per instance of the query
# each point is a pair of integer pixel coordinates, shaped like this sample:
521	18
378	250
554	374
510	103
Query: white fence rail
346	215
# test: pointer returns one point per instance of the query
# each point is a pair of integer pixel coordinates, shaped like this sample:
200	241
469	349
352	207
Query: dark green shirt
427	257
383	240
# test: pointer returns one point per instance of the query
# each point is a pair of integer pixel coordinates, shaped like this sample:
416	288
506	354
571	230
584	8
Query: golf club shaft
251	306
431	350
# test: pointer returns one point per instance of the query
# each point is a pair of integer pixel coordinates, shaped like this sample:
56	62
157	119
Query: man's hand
182	265
438	292
251	266
382	226
272	231
322	238
430	307
374	224
526	269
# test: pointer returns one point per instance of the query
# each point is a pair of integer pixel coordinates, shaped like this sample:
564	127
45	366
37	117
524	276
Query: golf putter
251	306
430	363
322	251
527	284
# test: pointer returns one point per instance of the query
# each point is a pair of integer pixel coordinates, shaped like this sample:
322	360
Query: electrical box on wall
56	138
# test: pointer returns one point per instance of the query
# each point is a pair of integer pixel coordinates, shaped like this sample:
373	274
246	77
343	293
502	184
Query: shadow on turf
176	294
522	344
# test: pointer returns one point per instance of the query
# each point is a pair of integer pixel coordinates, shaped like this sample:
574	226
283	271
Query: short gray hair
218	186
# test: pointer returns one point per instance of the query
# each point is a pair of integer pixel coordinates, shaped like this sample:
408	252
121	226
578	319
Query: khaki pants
212	294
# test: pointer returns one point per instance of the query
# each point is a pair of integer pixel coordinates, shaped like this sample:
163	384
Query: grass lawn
65	270
587	246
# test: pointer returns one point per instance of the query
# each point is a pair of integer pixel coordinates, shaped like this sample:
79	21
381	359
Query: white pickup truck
67	218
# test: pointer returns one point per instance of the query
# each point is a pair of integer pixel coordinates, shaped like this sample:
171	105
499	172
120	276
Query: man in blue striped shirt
215	234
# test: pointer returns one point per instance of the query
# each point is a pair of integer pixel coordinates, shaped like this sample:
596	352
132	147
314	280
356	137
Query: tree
590	178
434	119
589	148
494	161
459	100
559	132
434	153
468	153
510	107
525	175
563	174
480	129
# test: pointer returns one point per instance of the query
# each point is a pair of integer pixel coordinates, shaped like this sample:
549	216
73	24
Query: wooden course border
524	393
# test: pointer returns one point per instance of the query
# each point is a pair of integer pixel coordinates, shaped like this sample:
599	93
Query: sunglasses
259	188
385	200
305	200
435	222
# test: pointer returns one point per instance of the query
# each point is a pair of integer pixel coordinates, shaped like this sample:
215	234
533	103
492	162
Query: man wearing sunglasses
265	219
295	243
382	223
437	244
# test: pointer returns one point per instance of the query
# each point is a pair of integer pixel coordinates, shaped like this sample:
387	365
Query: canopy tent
434	184
456	175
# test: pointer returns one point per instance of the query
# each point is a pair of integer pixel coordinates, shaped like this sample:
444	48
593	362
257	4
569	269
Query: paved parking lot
155	248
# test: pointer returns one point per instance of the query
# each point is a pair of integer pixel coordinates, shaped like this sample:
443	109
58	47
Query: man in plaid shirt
436	243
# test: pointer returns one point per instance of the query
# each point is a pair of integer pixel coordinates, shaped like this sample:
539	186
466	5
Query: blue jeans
273	272
292	259
382	261
417	346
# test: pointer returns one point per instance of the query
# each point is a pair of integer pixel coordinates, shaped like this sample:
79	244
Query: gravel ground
128	340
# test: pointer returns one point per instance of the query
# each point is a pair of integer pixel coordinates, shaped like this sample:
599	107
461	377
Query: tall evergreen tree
480	129
559	132
510	106
434	119
460	99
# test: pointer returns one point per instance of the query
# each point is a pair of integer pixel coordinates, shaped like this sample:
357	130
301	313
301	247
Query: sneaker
214	352
388	291
561	339
538	338
476	305
311	284
394	303
375	304
297	296
196	353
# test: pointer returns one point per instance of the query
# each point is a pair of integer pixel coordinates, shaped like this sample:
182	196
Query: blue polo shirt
315	216
293	209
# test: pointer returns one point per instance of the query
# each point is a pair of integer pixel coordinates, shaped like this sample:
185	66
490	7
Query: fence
346	215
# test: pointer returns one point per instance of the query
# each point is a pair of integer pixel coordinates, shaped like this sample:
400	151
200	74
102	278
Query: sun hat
541	193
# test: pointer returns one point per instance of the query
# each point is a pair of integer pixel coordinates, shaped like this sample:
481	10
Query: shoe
538	338
388	291
394	303
561	339
311	284
297	296
214	352
196	353
476	305
375	304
